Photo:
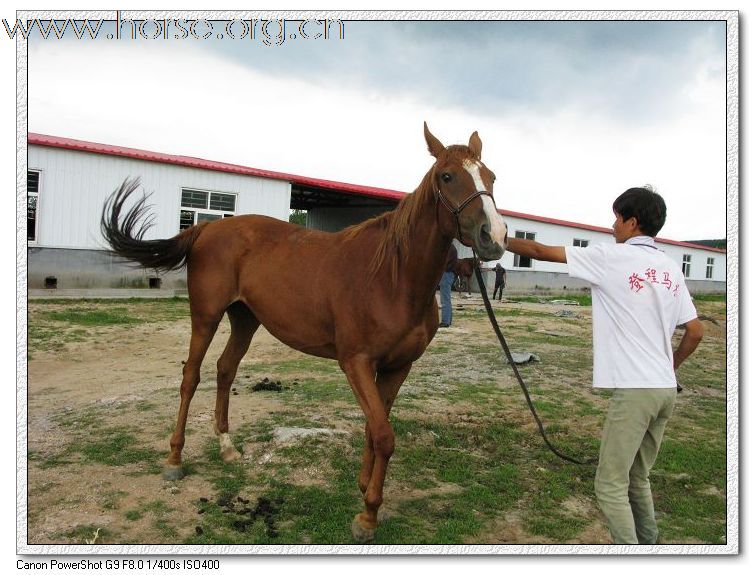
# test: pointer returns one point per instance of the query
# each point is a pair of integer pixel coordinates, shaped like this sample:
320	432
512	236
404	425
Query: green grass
714	297
553	485
688	480
309	514
468	455
92	442
52	324
556	526
116	448
482	487
92	317
134	514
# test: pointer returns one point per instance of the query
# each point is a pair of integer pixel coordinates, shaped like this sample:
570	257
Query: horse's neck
427	253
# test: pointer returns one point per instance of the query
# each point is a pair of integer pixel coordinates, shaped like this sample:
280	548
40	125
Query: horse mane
395	226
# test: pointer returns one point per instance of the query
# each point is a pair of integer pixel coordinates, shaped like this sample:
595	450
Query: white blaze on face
498	227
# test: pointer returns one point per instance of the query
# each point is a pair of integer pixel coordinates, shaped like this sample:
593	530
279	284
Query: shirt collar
641	241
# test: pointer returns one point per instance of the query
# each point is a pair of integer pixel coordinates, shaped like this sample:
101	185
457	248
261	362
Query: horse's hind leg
203	327
243	326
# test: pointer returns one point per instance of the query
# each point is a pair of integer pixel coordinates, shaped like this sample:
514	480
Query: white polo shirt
638	298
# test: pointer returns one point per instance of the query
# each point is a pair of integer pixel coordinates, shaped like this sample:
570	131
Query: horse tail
124	234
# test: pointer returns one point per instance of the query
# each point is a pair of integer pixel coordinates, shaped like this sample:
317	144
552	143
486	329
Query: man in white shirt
638	297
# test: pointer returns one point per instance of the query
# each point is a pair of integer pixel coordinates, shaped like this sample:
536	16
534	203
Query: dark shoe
444	325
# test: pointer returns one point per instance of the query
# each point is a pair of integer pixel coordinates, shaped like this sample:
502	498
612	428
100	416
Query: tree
298	217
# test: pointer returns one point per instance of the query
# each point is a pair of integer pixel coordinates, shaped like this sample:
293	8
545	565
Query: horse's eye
446	177
492	177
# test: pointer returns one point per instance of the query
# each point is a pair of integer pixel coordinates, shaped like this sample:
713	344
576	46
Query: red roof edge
383	193
187	161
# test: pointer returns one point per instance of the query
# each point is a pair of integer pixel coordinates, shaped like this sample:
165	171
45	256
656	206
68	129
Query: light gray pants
632	436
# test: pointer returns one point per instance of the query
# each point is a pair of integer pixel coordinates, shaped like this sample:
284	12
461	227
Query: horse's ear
433	143
475	145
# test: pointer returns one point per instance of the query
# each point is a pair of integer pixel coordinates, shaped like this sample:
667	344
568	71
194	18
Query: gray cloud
629	71
632	70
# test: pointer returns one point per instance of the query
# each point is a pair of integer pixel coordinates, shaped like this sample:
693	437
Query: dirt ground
116	373
133	377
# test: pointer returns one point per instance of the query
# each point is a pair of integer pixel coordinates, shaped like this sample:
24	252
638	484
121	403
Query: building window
523	261
686	264
709	269
580	243
199	206
32	195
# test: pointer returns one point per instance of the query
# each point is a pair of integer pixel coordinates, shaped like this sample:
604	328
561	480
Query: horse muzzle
491	238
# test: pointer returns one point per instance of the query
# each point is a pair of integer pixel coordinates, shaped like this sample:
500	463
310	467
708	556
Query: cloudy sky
571	113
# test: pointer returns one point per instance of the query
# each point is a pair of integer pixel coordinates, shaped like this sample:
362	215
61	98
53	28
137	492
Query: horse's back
259	239
289	276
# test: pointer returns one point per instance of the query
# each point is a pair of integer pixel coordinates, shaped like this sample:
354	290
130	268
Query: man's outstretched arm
536	250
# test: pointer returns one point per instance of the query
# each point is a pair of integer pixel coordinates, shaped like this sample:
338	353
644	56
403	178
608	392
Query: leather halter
456	212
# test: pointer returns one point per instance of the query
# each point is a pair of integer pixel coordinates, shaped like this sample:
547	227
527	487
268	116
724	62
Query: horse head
464	185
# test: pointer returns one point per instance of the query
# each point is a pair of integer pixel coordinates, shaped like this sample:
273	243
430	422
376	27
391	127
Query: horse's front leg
368	459
388	384
360	372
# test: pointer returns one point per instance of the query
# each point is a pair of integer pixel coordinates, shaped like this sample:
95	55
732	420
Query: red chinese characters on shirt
637	282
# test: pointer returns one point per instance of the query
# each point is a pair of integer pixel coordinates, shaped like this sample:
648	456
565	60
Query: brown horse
372	303
464	268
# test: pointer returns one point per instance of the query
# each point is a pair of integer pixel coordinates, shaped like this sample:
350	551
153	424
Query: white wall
699	261
74	185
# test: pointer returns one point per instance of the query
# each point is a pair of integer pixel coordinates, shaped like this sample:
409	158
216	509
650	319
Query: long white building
69	180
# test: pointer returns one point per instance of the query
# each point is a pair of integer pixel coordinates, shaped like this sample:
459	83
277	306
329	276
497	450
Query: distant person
500	280
638	297
446	284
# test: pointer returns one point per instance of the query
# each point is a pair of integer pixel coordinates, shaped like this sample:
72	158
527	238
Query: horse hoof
230	455
173	473
361	534
228	451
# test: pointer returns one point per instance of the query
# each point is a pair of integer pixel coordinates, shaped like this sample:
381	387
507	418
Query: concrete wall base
97	270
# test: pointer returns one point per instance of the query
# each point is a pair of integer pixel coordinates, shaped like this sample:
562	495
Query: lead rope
507	352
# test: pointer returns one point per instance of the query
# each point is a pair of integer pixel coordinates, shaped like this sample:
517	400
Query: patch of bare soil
130	379
67	506
127	378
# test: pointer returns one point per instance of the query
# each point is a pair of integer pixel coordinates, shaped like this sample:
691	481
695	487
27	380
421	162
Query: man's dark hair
645	205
